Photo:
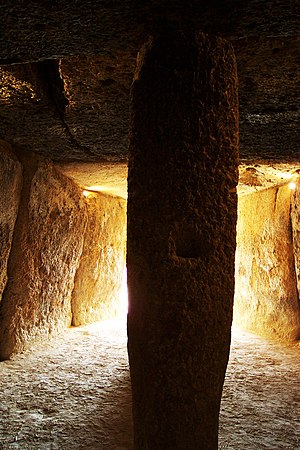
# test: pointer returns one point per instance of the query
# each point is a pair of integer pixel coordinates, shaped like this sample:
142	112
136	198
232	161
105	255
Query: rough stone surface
181	238
99	277
257	177
109	178
295	218
29	113
266	297
35	31
81	102
73	392
10	186
260	400
97	94
269	102
44	256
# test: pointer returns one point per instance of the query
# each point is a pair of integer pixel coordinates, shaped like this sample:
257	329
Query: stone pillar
181	238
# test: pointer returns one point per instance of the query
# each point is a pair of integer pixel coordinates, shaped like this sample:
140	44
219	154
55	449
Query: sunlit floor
74	393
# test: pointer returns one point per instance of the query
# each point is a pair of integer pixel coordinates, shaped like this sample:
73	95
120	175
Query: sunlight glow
292	185
117	324
123	298
99	188
87	193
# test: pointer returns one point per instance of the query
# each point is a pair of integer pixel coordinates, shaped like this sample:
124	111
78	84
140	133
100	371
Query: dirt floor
74	393
261	396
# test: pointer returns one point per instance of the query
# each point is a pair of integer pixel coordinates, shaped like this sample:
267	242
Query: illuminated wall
99	277
53	238
266	294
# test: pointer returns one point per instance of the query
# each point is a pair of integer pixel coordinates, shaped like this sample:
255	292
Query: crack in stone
53	84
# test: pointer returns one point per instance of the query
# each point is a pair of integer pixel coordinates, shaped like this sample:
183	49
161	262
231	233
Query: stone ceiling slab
109	178
32	31
69	98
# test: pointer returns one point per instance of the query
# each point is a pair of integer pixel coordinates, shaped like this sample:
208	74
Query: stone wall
44	257
266	296
48	230
10	186
99	277
295	217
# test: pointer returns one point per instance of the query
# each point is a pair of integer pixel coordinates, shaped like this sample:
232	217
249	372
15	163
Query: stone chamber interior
208	236
69	222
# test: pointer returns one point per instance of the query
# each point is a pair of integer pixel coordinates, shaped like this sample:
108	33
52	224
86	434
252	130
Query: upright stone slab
98	279
266	298
10	185
181	238
44	256
295	220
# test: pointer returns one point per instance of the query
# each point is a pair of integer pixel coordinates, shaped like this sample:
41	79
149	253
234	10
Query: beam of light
123	297
87	193
116	326
99	188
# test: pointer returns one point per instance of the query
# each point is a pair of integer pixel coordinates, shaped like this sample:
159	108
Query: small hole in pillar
188	242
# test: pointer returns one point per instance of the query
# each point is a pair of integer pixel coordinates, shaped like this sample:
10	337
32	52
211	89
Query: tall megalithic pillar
182	207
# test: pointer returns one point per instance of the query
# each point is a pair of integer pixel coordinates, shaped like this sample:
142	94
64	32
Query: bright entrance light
123	298
292	185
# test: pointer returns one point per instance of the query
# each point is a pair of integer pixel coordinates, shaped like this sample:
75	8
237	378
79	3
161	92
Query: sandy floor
261	395
74	393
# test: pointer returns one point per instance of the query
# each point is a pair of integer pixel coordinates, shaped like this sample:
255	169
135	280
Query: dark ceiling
66	69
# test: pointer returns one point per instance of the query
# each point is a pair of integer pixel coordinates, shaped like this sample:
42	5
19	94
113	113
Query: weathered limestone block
29	103
97	91
266	298
181	238
10	186
295	217
45	253
99	276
